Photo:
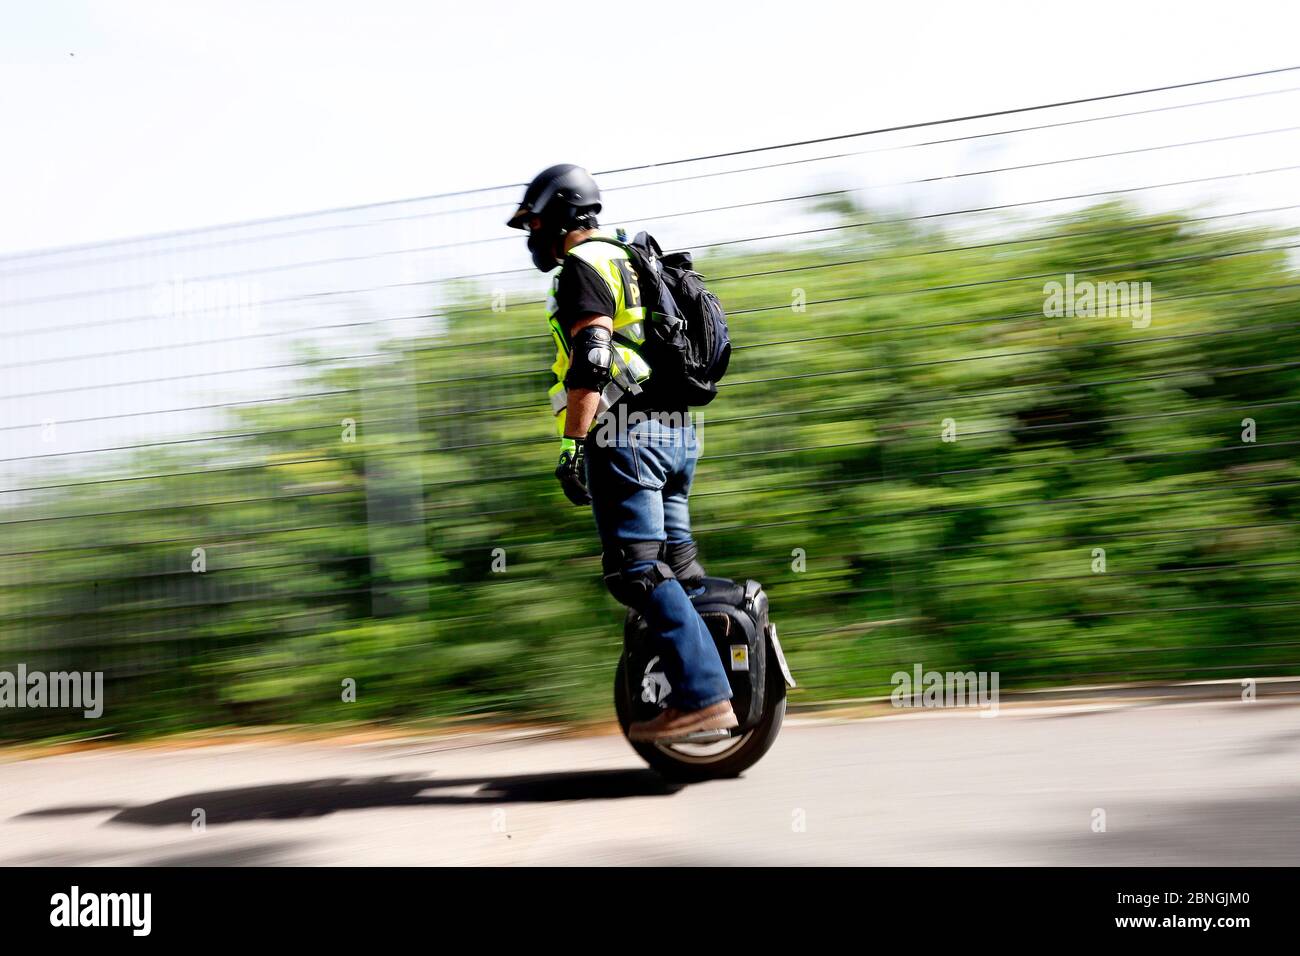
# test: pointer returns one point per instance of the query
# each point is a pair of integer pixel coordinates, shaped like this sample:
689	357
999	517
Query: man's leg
627	484
680	551
691	662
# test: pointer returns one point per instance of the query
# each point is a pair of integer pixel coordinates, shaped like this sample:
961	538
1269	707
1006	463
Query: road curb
1222	689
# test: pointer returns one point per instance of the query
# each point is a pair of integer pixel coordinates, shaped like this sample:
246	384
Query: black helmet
563	197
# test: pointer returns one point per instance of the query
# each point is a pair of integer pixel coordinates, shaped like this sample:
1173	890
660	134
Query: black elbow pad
591	359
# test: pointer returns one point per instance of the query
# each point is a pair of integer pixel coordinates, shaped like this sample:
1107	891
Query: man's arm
584	303
583	402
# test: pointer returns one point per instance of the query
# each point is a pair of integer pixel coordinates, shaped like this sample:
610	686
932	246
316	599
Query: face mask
541	244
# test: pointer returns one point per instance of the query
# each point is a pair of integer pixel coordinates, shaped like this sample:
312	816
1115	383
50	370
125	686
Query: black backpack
687	345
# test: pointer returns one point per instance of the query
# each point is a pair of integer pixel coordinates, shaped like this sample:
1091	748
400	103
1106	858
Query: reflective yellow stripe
636	365
603	257
628	323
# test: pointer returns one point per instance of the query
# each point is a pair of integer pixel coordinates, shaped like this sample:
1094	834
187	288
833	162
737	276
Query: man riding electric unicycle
700	690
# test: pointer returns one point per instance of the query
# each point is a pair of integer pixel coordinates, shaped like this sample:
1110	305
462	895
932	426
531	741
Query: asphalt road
1186	783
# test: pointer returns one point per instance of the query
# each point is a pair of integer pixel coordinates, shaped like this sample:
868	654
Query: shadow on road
264	853
318	798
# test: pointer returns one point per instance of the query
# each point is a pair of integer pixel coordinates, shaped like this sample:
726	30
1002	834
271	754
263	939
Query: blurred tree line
918	464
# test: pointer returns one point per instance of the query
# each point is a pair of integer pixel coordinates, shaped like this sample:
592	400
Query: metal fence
244	460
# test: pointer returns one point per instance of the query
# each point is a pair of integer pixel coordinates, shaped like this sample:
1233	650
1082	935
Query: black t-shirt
581	291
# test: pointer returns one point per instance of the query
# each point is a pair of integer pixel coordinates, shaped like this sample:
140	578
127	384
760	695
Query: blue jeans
639	485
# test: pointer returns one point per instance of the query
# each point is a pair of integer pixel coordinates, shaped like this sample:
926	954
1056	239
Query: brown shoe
673	723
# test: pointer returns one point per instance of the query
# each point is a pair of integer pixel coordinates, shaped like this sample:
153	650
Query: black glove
572	471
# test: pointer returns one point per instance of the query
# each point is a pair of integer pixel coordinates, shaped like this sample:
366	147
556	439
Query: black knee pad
682	557
633	588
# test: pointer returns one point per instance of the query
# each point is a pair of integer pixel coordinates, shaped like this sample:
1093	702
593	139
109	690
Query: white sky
130	117
127	118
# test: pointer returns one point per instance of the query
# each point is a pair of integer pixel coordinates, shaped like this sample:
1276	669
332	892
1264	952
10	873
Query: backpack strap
644	254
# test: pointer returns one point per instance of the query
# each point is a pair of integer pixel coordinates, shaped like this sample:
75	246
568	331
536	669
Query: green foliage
374	560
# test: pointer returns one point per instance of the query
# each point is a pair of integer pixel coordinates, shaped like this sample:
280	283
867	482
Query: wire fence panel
1013	392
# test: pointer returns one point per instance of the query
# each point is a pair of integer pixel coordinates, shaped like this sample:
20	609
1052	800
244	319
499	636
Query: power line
1128	533
741	419
243	534
1034	276
462	210
1084	615
988	114
1001	207
534	475
888	221
228	598
1000	355
238	534
329	360
994	506
824	194
340	559
934	587
536	406
367	323
952	139
952	119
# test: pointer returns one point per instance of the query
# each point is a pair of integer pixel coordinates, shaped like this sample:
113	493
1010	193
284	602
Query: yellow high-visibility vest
615	266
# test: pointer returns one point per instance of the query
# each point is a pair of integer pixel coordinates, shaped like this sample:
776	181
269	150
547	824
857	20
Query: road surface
1215	783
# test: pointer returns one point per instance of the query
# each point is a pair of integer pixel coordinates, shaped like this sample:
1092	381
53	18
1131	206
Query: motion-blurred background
246	463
